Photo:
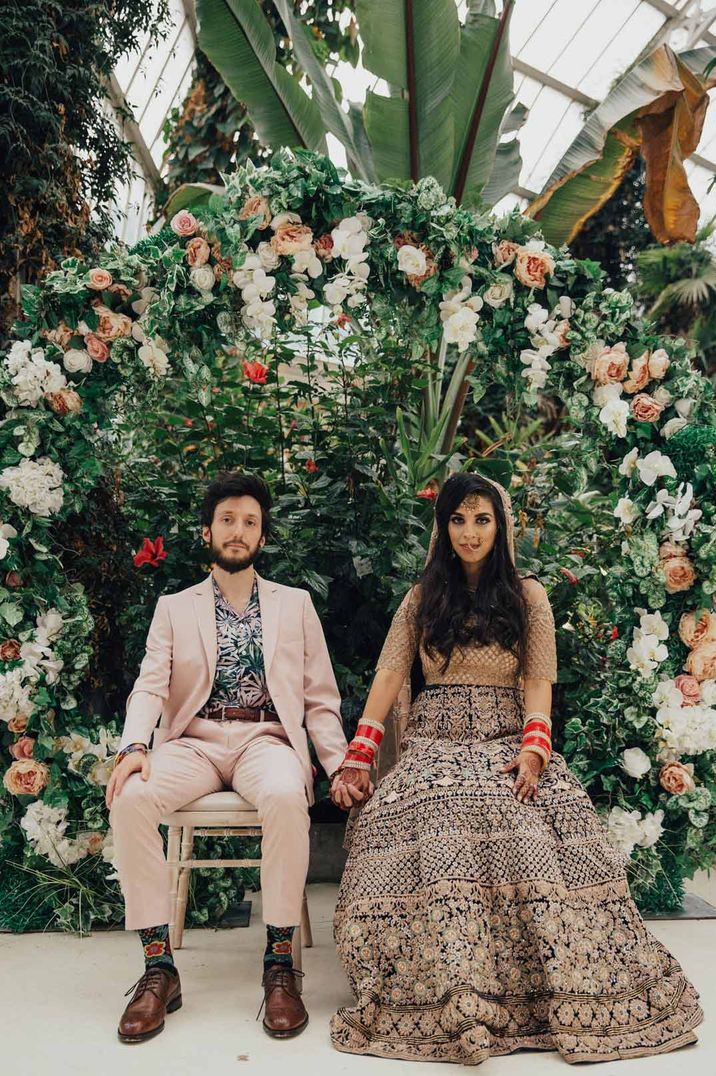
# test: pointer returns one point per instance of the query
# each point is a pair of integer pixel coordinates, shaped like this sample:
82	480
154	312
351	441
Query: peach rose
611	365
184	223
64	402
256	206
111	325
121	290
95	841
675	778
504	252
18	724
323	247
532	267
689	688
671	549
645	408
701	662
26	777
678	574
693	633
638	375
60	335
10	650
22	748
197	251
659	363
292	238
96	348
99	279
561	330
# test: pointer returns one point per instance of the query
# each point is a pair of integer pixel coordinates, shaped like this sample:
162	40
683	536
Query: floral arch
300	280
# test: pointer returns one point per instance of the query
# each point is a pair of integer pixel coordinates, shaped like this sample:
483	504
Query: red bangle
536	725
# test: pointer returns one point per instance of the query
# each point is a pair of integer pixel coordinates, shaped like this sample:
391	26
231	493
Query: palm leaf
239	42
414	46
191	195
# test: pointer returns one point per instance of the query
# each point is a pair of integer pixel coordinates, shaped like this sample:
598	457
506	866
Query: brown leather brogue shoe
286	1014
157	993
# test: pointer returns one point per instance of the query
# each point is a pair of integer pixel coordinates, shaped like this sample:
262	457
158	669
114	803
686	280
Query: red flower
311	466
570	576
427	494
615	632
150	553
188	422
255	372
280	947
342	319
14	580
155	948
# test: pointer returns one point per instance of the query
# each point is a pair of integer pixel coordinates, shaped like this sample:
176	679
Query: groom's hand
350	787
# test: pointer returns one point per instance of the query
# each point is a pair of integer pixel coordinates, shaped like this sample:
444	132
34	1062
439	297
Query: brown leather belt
241	713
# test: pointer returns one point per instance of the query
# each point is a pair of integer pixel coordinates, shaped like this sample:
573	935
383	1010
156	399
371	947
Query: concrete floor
61	997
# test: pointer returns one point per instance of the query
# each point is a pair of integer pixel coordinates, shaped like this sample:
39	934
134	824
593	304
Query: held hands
350	787
529	764
136	761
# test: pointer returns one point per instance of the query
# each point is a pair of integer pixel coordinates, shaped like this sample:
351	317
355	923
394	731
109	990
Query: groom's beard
232	560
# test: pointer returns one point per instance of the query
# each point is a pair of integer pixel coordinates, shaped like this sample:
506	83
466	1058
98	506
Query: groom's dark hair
237	484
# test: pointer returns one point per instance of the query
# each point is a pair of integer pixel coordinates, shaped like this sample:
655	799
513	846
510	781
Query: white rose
202	278
284	218
659	363
652	829
268	257
684	407
412	261
662	396
674	425
77	361
498	294
624	829
636	762
626	511
602	394
614	416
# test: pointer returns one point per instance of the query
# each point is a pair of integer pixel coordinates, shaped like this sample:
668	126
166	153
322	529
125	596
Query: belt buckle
223	717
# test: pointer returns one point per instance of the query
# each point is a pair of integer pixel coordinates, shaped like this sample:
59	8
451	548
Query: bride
482	909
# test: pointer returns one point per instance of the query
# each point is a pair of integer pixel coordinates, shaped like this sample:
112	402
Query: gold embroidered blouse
475	664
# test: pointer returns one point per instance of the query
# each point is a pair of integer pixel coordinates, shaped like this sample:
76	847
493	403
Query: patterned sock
157	947
278	946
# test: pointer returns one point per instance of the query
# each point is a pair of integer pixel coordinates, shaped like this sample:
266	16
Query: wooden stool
220	814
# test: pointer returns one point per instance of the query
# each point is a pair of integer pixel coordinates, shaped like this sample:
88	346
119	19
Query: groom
238	670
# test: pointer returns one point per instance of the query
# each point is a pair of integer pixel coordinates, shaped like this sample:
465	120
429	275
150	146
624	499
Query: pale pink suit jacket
177	673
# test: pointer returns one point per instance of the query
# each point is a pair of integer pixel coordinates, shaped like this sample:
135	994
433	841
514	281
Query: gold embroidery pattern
471	925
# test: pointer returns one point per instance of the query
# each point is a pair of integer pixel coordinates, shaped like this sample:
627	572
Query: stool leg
306	923
297	953
173	842
187	849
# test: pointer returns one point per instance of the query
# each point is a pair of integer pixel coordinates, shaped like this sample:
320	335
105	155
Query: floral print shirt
240	678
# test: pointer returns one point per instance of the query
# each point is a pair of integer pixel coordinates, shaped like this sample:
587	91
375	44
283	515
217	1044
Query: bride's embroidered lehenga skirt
471	924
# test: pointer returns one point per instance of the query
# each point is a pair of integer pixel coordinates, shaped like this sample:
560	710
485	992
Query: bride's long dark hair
449	615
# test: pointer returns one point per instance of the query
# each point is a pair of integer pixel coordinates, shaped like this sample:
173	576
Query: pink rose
111	326
689	688
701	662
96	348
64	402
638	375
184	223
99	279
292	238
26	777
256	206
18	724
22	748
676	778
678	574
659	363
645	408
323	247
532	267
693	633
610	366
504	252
10	650
197	251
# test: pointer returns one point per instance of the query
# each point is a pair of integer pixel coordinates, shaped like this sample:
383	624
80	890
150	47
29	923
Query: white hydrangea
708	692
31	374
685	730
15	697
35	484
627	829
45	828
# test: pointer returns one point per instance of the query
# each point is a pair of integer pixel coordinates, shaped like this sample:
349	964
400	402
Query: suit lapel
205	610
269	603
